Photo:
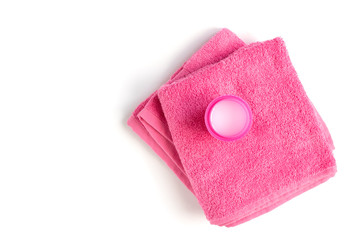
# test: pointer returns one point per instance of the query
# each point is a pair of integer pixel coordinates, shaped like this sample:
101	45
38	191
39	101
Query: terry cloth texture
287	151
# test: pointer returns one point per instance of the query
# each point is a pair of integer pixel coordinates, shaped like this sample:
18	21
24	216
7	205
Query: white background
71	73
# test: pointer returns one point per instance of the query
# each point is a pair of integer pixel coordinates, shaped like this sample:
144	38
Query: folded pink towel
287	151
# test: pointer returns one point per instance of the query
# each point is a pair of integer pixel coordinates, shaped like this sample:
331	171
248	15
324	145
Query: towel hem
276	199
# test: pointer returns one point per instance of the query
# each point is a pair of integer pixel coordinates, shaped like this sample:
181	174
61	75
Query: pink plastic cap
228	118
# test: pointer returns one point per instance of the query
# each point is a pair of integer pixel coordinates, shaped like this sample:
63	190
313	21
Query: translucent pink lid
228	118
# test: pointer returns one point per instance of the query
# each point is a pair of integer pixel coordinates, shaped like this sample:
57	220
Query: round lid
228	118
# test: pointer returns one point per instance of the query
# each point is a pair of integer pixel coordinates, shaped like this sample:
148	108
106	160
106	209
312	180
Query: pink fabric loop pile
287	151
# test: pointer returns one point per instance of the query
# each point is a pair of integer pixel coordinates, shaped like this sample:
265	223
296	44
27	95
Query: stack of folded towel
287	151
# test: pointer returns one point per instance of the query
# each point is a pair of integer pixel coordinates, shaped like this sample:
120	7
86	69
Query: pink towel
287	151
